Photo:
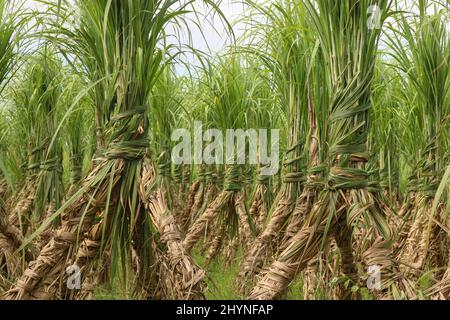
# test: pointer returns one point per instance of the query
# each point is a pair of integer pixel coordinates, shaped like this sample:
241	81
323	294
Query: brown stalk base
245	232
260	249
215	244
303	206
306	244
12	231
230	251
199	202
76	220
212	211
320	273
441	290
191	197
187	275
258	208
420	250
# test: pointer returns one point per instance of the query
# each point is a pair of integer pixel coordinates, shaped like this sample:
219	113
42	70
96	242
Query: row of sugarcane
86	170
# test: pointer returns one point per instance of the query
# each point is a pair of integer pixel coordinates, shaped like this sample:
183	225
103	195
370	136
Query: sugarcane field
224	150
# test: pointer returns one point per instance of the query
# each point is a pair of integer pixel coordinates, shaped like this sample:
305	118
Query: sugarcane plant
348	45
13	23
134	165
9	39
288	57
227	106
117	207
425	63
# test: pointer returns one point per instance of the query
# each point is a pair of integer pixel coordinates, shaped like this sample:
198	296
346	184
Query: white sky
212	35
217	39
